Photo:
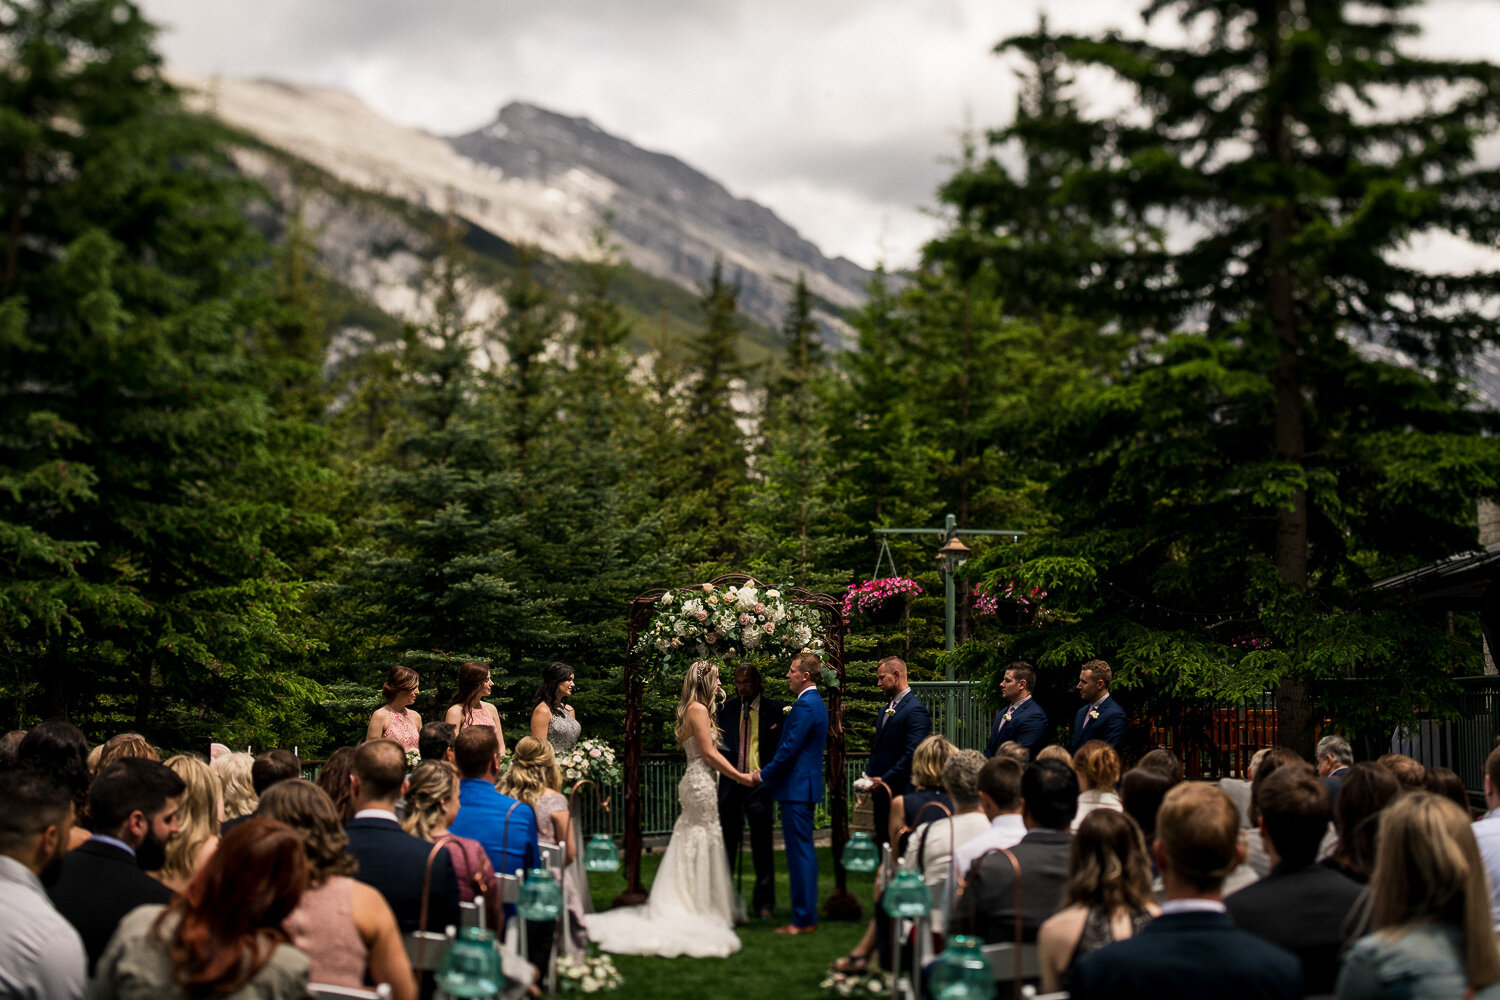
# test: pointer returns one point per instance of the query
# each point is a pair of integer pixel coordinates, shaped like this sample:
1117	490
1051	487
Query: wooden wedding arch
841	904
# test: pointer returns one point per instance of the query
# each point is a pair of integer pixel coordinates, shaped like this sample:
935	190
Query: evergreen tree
716	445
134	430
1258	133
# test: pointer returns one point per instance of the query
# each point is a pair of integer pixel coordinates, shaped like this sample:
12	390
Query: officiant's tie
744	738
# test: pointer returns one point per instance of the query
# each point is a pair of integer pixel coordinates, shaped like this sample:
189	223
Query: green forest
1180	349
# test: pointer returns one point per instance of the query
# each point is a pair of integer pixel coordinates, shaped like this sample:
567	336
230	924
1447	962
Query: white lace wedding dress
690	909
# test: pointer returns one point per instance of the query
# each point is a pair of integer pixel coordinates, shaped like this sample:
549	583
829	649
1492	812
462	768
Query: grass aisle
768	966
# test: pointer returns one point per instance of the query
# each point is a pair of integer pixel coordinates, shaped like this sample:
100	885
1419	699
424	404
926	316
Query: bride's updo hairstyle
553	674
533	769
699	685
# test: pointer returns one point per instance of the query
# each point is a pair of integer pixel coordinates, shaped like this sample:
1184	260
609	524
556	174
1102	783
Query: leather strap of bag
973	901
426	894
1016	864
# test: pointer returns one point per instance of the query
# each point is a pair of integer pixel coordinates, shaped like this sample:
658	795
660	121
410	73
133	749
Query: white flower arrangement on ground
847	984
713	623
587	974
593	759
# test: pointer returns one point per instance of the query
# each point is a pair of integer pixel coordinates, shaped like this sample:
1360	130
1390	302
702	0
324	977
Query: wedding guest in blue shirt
41	955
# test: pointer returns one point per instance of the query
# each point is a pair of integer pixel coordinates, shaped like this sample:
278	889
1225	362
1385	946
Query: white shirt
1193	905
376	814
41	955
1006	830
1487	832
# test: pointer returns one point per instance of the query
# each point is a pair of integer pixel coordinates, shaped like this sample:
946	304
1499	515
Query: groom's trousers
737	805
801	861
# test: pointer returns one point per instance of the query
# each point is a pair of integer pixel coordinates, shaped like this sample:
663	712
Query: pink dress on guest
401	729
323	926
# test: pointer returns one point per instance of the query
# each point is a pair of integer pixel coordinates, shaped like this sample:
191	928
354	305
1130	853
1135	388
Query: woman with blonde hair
346	927
1107	898
234	778
431	806
691	907
926	799
200	811
1098	769
1431	934
534	779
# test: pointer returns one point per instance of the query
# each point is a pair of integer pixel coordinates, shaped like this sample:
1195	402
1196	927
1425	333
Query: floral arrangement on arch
591	759
711	622
871	595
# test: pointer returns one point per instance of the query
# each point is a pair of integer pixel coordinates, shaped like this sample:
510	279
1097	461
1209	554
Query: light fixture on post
950	557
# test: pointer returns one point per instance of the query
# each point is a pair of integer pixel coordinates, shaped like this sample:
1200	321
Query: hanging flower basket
880	602
1011	607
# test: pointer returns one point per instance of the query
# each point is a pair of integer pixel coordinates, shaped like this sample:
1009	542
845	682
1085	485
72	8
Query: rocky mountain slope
547	180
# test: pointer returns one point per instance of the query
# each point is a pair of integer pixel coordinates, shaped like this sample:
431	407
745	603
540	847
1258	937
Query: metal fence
1462	743
1213	741
659	777
956	711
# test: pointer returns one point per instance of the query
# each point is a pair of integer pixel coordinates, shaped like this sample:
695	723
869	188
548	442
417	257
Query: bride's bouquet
592	759
713	623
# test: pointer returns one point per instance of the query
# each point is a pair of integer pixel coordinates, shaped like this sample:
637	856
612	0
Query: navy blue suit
795	775
1189	956
1109	727
1027	726
394	862
895	739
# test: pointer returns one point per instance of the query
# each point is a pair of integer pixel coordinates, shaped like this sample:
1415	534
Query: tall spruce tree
134	429
1297	146
716	445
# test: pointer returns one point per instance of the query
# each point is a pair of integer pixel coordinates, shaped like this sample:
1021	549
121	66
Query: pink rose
769	627
711	638
702	616
760	609
744	619
595	754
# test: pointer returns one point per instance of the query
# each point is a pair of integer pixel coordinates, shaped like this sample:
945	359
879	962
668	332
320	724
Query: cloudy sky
841	115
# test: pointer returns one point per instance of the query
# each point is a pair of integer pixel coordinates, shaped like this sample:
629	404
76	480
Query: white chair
325	991
1030	993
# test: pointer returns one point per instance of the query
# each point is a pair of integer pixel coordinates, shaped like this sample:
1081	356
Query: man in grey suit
987	905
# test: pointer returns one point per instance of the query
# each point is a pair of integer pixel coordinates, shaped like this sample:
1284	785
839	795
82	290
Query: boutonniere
890	712
785	709
1007	715
1093	714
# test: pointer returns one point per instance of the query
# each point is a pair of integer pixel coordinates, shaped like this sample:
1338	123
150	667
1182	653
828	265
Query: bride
691	907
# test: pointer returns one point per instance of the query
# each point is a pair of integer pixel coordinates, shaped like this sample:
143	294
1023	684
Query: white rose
773	594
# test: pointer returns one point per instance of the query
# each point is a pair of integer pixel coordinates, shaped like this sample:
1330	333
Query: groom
795	775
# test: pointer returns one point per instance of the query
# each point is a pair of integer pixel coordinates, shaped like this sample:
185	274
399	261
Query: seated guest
1192	950
1165	761
1141	794
333	778
1367	788
1238	789
1487	830
918	804
1000	798
123	746
504	826
1015	751
987	906
134	804
431	805
57	749
928	849
269	768
346	927
435	741
1256	857
240	799
390	859
1055	752
41	955
1431	933
1409	773
1445	781
9	744
1332	759
222	938
197	822
1304	907
1098	768
1107	898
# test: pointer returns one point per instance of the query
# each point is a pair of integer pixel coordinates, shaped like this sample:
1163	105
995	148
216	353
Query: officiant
751	724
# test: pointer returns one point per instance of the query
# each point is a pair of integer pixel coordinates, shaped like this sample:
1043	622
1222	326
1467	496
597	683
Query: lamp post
950	557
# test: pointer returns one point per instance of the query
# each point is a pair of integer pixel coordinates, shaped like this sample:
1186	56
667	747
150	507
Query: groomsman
1023	719
902	724
795	774
751	724
1101	717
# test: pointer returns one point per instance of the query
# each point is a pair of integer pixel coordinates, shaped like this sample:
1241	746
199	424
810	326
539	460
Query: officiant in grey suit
751	725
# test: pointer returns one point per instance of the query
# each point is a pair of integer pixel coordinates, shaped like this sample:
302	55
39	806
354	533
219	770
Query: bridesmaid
469	707
396	721
553	722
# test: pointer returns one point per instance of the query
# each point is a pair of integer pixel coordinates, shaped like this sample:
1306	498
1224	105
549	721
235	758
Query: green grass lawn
768	966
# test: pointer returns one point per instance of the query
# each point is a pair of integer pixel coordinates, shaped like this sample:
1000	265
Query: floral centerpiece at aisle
882	600
591	759
712	622
587	974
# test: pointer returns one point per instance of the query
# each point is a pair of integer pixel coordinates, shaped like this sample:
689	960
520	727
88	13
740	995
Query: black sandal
851	964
